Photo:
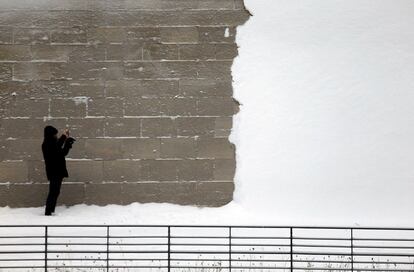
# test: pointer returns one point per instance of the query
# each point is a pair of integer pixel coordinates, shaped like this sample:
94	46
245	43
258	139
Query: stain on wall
144	86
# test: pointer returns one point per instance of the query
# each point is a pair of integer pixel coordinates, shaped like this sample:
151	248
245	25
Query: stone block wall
144	85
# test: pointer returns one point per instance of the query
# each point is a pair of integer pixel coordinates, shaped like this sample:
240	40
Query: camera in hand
70	140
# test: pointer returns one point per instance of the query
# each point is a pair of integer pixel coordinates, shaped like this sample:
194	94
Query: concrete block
195	126
158	127
159	170
15	52
160	52
182	193
5	71
197	51
31	36
217	34
87	70
71	194
68	107
179	35
178	148
122	127
224	169
94	89
226	51
195	170
121	170
86	127
68	35
32	71
140	148
37	172
142	107
215	106
222	127
24	149
215	148
78	150
213	194
106	35
140	192
4	195
6	35
27	195
47	52
124	52
141	35
85	171
178	106
132	89
109	106
23	107
106	149
214	69
102	194
83	53
15	128
13	171
205	88
163	70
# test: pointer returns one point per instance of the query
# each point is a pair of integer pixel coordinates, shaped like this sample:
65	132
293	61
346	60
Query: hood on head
50	132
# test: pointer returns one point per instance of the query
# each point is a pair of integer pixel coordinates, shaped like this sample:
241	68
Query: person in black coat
54	151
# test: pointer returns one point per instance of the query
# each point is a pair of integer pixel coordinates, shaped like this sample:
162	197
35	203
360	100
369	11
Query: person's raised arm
63	138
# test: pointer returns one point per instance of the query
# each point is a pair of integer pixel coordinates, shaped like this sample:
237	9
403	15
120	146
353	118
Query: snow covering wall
325	134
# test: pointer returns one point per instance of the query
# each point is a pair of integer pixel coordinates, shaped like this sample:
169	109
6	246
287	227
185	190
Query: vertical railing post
169	248
46	248
291	249
229	248
352	250
107	248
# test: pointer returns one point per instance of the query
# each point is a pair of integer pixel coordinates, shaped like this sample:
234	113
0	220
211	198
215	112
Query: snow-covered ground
325	132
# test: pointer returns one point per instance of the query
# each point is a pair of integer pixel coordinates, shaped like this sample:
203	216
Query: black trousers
54	190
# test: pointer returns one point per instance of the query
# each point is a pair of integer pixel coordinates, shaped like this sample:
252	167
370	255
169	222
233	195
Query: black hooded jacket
54	152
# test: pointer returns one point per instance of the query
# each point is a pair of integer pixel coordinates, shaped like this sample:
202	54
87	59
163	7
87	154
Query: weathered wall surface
144	86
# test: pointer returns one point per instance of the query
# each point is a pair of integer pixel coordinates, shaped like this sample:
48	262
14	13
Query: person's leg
50	197
58	184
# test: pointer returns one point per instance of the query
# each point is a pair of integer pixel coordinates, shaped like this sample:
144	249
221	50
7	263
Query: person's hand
66	132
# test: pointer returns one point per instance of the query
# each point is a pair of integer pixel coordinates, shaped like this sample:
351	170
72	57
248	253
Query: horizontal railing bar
207	244
376	247
384	239
324	246
354	269
81	236
211	226
354	254
369	254
321	238
354	239
217	237
28	244
227	267
20	237
255	245
139	236
226	237
210	260
218	267
325	268
22	260
20	267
